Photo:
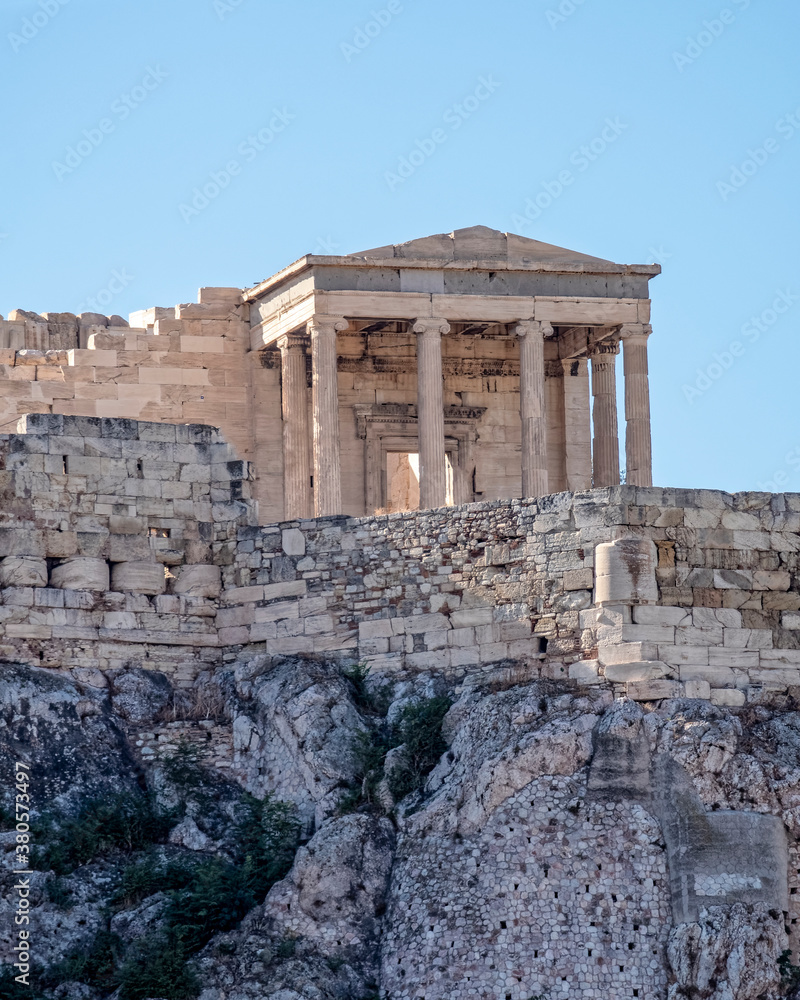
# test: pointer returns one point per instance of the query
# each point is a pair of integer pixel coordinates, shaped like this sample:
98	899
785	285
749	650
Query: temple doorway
402	481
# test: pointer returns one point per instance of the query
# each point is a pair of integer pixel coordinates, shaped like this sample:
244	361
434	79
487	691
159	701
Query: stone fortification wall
458	588
115	537
135	543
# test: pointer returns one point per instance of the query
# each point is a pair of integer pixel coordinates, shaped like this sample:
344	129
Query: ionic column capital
426	325
320	323
635	331
604	348
292	341
535	326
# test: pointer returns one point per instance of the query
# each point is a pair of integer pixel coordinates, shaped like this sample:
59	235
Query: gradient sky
699	103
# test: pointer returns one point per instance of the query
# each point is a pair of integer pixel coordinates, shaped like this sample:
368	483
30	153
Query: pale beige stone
138	577
80	573
198	581
23	571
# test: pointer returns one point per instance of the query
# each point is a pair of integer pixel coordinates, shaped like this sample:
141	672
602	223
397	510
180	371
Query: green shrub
10	989
267	838
183	766
58	892
150	875
371	701
286	948
95	966
157	967
127	822
790	974
419	732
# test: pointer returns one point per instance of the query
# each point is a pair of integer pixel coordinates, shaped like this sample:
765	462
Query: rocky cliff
358	839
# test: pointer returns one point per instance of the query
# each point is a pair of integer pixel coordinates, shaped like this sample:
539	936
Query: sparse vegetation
419	732
790	974
128	822
370	699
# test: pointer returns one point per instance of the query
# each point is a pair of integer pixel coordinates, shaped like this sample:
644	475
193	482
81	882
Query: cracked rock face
536	858
731	952
294	734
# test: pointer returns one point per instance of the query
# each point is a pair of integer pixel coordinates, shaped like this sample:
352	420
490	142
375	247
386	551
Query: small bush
10	989
157	967
286	948
267	837
371	701
790	974
419	732
127	822
58	892
95	966
217	899
150	875
183	766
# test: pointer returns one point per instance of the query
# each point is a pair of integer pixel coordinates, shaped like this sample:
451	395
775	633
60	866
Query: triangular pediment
484	244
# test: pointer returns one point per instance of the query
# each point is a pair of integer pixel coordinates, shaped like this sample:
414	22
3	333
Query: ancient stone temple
469	366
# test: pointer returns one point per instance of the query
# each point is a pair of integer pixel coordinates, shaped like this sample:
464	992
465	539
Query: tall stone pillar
296	430
430	412
327	465
554	404
533	413
606	434
638	447
578	426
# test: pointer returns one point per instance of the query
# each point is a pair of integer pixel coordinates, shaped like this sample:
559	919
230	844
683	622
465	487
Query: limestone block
578	579
626	652
650	615
23	571
727	697
293	541
790	620
697	689
641	670
654	690
585	672
713	617
718	677
80	573
138	578
625	572
198	581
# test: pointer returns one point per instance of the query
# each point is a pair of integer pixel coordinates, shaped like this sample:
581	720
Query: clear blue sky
180	87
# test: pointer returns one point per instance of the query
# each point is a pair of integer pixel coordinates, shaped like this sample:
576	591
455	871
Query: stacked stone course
128	543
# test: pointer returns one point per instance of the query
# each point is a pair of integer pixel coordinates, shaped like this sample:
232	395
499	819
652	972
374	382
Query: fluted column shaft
327	465
296	431
604	413
533	412
430	412
638	446
578	426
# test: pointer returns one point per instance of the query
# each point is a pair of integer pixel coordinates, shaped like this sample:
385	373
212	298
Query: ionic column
325	392
604	412
578	426
296	431
554	405
533	413
638	447
430	412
